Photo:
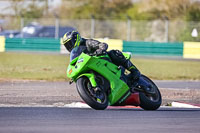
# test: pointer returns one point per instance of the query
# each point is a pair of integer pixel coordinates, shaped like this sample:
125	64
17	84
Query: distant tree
32	11
16	6
135	13
100	9
184	9
193	12
27	9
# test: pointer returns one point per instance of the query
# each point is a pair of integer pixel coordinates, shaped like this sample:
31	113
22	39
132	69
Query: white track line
183	105
77	105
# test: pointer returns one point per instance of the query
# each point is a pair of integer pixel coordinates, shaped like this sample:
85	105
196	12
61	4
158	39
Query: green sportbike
101	83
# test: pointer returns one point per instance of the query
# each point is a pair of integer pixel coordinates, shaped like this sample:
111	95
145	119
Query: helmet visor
69	45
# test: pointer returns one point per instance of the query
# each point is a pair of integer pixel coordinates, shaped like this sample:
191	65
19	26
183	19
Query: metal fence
130	30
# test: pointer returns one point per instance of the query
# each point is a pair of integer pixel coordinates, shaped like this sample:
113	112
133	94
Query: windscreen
76	52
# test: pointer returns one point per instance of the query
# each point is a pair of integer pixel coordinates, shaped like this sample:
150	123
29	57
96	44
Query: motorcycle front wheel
97	99
150	101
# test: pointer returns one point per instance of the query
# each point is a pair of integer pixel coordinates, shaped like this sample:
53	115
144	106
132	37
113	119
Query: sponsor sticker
80	60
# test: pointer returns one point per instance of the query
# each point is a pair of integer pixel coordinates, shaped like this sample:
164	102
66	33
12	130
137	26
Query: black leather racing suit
96	47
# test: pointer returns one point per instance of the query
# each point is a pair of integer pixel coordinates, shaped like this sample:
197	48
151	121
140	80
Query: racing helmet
71	40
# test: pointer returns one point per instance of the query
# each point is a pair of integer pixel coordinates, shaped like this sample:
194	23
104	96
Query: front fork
91	77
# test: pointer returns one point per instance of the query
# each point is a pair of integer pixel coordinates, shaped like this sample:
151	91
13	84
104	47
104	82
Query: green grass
53	67
33	66
164	69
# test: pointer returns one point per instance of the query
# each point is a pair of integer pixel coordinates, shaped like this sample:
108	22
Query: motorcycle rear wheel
150	101
87	93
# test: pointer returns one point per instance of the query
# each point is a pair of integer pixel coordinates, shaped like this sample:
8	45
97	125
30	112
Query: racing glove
99	52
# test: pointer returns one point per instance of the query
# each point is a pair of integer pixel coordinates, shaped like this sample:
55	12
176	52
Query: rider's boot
135	75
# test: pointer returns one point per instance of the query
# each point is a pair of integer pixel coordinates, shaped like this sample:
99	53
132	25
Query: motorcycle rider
73	39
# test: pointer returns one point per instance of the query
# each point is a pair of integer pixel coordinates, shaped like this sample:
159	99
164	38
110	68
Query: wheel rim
153	97
96	95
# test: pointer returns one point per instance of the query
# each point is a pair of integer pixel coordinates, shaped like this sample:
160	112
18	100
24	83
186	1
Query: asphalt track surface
178	84
86	120
31	93
64	119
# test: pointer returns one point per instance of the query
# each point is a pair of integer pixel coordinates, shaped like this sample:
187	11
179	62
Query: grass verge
53	67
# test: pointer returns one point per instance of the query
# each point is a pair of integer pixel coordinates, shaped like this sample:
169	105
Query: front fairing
77	66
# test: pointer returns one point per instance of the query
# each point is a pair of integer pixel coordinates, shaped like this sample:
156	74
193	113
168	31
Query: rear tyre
150	101
96	100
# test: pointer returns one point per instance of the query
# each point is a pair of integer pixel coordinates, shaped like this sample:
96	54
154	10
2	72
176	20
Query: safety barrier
191	50
153	48
185	49
32	44
2	43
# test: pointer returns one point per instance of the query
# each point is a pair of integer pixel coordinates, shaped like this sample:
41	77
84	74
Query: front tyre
150	101
96	99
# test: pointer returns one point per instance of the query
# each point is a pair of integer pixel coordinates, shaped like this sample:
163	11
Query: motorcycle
100	83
